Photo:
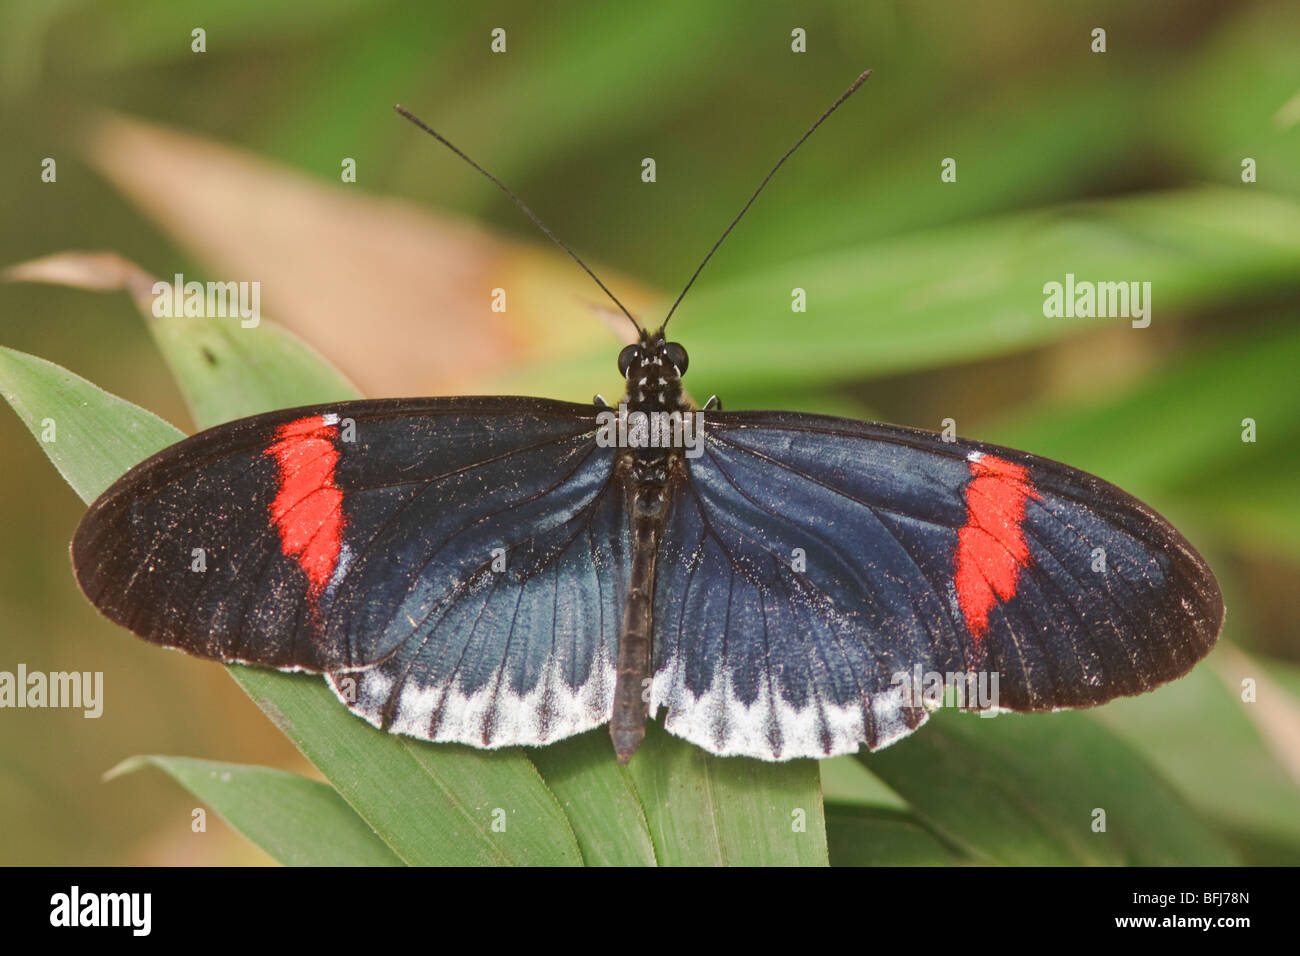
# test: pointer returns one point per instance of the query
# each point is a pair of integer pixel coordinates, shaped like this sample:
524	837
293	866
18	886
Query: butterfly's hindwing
813	567
523	654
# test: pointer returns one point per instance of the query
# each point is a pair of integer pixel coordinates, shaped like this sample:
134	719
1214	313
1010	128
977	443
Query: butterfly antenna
520	203
853	87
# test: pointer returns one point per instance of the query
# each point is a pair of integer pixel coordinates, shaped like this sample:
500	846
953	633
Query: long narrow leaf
300	822
714	811
1047	789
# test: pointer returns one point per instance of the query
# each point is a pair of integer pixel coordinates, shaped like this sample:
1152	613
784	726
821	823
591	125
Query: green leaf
975	290
1235	96
226	367
967	291
717	811
1025	790
846	780
600	799
226	371
433	804
1139	437
299	822
1199	734
97	436
1261	514
873	836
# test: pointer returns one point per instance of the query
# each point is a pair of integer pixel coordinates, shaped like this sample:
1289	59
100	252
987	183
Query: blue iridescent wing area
457	566
815	571
500	578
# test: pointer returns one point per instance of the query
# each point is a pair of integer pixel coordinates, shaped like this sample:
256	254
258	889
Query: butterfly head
653	369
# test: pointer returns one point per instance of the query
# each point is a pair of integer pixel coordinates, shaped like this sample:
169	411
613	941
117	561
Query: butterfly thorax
653	370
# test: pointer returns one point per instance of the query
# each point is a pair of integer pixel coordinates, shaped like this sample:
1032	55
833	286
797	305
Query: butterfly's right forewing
812	568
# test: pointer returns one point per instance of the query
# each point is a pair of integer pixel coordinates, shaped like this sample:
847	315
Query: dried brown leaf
398	298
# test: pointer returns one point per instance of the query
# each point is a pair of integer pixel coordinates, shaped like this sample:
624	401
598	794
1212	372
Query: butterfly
501	571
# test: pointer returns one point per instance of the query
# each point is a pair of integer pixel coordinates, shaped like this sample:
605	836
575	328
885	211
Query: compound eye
677	355
626	358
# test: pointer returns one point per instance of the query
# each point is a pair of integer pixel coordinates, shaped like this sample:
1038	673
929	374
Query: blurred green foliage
924	303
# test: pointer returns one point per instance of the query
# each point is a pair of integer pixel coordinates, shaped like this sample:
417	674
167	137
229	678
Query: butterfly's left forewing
455	565
816	571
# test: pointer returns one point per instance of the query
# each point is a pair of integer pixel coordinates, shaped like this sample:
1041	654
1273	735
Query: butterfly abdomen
631	705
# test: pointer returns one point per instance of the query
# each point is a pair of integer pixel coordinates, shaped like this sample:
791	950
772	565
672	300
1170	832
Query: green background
924	302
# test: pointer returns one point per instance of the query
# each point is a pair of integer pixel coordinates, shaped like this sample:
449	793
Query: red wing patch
991	547
307	510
